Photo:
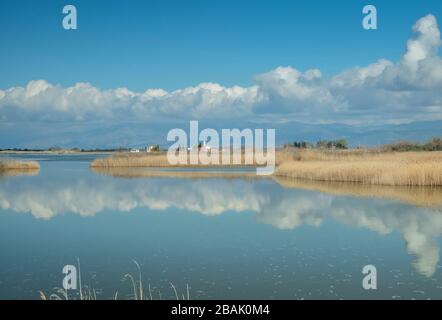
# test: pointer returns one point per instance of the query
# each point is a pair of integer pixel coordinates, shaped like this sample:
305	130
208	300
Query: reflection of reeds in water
88	293
159	159
122	172
422	196
417	196
10	168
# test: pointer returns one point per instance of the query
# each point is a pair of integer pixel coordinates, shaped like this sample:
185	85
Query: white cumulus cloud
409	89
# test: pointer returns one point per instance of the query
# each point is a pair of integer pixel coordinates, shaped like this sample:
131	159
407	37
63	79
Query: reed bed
121	160
376	168
367	166
10	167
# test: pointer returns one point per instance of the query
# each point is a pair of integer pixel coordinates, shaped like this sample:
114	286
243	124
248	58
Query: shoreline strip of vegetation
393	165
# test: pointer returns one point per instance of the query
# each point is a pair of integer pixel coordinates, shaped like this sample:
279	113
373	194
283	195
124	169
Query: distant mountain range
111	135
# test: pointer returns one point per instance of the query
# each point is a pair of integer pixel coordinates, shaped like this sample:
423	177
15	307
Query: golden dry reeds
368	167
10	167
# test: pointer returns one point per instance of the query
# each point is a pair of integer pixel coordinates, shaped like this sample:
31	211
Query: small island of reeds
12	167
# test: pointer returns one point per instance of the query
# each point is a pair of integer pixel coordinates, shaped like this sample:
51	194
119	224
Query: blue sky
173	44
159	64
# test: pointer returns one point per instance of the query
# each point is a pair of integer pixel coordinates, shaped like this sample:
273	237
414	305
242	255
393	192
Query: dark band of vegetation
434	144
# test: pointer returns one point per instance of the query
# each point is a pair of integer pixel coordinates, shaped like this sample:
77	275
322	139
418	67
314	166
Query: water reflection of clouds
272	204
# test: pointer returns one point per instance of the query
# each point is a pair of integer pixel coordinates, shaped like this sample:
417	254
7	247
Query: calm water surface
225	238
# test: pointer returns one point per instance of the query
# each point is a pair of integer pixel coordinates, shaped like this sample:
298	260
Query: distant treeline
434	144
341	144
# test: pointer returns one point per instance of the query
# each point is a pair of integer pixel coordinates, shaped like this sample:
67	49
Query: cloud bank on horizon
382	92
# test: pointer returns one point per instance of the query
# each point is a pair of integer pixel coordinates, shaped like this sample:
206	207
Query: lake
225	238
